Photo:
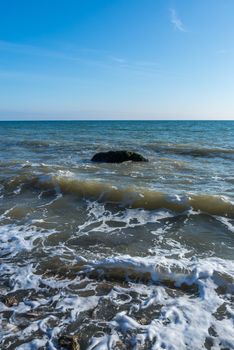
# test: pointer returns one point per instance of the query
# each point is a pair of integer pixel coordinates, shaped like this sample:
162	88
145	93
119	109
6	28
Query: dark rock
118	157
70	342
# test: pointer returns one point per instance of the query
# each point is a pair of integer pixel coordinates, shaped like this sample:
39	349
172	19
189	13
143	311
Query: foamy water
121	256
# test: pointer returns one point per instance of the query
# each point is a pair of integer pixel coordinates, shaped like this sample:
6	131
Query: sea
105	256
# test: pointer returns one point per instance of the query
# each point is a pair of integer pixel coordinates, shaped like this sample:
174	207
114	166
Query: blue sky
154	59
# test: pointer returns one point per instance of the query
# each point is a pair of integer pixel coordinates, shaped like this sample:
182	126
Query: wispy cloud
24	75
118	59
24	49
176	21
99	59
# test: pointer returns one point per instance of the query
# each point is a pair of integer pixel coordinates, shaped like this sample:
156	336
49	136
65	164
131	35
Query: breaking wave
130	197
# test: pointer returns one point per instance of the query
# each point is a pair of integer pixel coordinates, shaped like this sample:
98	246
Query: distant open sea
130	256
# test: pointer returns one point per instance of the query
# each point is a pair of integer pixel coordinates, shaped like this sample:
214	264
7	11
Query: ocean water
124	256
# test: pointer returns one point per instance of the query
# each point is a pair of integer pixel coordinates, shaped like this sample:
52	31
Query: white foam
184	322
186	270
184	319
32	345
107	342
17	238
227	222
99	216
76	305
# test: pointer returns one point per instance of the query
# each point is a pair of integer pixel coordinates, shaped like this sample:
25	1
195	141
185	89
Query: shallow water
125	256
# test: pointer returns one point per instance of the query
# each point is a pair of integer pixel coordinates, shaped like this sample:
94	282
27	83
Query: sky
116	59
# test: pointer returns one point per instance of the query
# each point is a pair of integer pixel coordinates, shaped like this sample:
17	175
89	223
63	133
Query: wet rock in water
119	345
10	300
118	157
70	342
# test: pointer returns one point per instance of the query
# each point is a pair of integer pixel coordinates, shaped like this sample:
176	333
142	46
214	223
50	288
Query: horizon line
109	120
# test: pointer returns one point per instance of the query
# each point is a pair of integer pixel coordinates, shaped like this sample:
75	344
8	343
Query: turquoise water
124	256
